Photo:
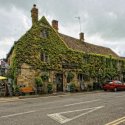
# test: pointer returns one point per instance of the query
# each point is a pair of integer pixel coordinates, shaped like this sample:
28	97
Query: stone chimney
34	14
55	24
81	36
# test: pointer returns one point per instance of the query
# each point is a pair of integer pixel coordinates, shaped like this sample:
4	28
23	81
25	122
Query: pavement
99	108
17	98
8	99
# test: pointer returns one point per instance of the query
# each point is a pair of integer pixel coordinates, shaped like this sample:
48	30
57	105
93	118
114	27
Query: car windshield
110	82
117	82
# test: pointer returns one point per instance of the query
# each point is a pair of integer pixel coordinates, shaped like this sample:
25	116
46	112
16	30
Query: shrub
72	87
89	87
97	86
39	81
16	90
50	87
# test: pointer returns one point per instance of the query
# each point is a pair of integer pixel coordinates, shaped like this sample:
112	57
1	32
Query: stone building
60	59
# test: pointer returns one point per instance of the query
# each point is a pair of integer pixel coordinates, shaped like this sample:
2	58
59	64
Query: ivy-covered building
60	59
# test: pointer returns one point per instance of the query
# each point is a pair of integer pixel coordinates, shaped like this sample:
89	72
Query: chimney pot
55	24
34	14
81	35
34	5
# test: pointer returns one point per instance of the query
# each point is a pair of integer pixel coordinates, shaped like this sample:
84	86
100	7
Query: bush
50	87
89	87
39	84
97	86
16	90
72	87
39	81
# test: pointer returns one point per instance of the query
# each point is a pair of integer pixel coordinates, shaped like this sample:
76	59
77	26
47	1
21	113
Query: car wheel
105	89
115	89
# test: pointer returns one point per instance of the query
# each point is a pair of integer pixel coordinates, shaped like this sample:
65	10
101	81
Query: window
117	82
86	58
44	57
110	82
44	33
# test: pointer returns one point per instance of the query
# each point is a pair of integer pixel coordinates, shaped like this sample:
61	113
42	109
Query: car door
120	85
117	85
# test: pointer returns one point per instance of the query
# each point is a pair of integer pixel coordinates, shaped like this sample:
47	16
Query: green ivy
29	47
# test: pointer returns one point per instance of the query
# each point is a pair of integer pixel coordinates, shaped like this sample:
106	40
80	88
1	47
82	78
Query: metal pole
79	22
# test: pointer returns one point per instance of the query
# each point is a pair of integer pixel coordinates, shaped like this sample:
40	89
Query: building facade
60	59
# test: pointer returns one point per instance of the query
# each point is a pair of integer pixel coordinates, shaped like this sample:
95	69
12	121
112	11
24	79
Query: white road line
17	114
117	121
82	102
61	119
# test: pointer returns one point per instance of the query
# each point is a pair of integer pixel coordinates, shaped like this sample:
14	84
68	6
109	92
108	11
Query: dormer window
44	33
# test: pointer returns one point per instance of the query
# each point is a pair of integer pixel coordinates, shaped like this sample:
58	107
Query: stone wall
26	76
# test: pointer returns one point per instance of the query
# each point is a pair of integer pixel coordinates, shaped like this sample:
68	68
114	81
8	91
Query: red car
114	85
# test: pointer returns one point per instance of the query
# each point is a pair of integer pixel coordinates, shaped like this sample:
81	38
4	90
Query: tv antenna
79	19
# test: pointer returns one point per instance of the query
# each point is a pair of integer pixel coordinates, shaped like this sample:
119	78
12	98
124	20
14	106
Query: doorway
81	81
59	82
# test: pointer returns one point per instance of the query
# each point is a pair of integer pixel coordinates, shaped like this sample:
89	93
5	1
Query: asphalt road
106	108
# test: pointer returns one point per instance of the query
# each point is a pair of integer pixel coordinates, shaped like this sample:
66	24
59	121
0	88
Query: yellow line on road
116	122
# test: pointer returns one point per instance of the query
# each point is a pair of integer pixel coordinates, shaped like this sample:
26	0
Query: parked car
114	85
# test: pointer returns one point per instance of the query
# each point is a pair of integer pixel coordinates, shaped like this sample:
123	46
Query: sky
102	21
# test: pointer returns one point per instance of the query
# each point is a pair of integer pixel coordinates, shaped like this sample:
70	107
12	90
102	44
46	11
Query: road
105	108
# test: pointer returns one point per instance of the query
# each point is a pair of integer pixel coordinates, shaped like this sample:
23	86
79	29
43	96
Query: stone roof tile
76	44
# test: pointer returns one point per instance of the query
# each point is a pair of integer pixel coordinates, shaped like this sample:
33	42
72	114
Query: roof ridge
85	41
89	47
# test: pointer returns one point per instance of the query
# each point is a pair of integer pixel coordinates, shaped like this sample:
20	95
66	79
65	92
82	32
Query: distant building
60	59
3	66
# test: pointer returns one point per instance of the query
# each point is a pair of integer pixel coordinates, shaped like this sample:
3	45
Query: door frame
59	82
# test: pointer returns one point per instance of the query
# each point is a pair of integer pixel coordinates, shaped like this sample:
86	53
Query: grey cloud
11	23
98	17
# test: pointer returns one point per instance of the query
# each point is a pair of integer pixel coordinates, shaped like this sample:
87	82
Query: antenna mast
79	19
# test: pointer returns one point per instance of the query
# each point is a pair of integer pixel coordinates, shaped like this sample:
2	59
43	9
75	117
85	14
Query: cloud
13	24
102	21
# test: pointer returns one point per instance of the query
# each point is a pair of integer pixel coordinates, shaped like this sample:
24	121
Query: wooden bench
26	90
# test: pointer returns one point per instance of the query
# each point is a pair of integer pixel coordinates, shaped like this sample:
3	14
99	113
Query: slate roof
76	44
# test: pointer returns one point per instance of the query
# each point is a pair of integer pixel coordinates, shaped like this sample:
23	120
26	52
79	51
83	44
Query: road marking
82	102
17	114
116	122
62	119
21	113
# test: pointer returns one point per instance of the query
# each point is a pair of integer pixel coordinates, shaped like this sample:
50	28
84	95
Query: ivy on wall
30	46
